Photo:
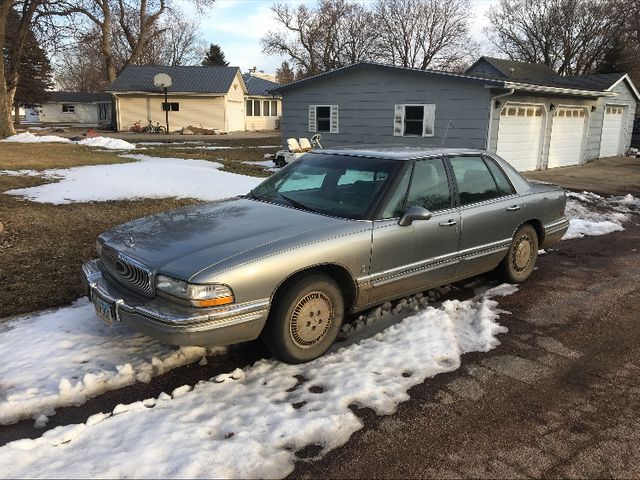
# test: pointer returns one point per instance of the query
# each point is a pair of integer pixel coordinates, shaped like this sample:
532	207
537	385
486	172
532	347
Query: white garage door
611	132
519	136
235	113
567	133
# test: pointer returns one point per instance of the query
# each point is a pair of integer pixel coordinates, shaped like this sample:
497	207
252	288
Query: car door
406	259
490	212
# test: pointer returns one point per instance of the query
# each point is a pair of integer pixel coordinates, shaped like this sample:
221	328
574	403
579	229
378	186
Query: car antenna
444	139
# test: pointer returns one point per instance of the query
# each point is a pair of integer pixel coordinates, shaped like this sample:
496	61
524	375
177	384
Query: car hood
182	242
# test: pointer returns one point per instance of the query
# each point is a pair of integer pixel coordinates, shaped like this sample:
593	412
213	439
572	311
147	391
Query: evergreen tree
285	74
214	57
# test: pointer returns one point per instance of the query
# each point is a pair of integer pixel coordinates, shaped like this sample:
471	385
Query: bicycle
157	128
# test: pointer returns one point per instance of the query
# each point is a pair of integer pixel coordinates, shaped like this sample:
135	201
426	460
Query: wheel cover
311	319
522	253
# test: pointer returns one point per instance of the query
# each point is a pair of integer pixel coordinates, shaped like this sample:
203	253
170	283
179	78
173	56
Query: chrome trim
174	315
557	225
404	271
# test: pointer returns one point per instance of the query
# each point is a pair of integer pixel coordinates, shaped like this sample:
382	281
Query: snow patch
64	357
28	137
593	215
108	143
251	422
147	177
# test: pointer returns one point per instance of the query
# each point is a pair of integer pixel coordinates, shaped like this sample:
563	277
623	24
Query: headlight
198	295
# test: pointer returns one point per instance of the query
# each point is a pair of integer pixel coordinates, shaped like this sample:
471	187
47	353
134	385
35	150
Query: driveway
607	176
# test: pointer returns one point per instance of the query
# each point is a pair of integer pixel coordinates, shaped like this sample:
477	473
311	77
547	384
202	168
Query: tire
291	340
280	162
161	129
518	265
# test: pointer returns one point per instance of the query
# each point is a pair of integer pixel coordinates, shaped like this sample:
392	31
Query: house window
265	106
68	108
256	108
171	107
323	118
274	108
414	120
249	108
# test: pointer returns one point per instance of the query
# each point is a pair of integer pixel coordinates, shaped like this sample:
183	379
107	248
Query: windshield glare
336	185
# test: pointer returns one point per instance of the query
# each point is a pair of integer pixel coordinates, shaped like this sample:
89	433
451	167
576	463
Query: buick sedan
336	232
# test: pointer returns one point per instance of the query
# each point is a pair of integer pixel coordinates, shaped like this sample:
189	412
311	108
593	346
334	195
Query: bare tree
570	36
424	33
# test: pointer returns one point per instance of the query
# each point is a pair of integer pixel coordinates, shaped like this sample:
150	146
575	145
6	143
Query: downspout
491	108
116	105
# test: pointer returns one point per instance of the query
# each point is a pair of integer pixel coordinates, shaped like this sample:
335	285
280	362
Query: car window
352	176
429	186
395	205
504	186
475	182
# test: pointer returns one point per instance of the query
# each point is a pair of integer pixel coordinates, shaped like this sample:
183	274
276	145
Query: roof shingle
259	86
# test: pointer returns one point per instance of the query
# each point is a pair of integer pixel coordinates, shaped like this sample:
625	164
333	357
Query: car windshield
336	185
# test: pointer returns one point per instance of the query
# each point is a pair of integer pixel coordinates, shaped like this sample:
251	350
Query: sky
238	25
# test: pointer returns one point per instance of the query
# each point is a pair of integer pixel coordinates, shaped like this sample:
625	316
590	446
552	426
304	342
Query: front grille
128	272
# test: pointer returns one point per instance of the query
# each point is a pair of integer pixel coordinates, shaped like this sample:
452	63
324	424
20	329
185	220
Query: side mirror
414	213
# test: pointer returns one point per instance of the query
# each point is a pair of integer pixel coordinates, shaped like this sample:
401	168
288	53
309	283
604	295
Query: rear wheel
305	319
518	265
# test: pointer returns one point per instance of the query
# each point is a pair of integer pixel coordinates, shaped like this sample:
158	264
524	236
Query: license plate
104	310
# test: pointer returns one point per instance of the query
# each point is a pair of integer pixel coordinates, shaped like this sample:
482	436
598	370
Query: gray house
524	112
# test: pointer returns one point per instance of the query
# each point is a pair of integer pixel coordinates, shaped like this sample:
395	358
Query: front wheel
305	320
518	265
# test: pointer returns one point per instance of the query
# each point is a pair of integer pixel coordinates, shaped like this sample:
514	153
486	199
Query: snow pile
108	143
28	137
66	356
250	422
148	177
592	215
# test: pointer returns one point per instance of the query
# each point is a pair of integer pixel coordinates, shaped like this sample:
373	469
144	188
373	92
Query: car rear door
411	258
490	211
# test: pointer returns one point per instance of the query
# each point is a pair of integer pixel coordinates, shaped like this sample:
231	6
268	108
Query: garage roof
185	79
79	97
259	86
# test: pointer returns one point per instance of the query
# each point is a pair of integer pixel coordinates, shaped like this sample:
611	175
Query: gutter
491	109
567	91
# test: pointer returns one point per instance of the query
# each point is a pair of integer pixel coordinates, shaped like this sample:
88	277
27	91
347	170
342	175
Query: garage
611	131
567	136
519	134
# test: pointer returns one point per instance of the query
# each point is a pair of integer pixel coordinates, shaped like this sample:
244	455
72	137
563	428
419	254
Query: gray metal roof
259	86
185	79
79	97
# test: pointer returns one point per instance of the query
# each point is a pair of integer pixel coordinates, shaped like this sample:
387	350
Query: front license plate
104	310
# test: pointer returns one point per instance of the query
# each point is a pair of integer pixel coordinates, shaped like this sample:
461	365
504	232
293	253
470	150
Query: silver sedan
334	232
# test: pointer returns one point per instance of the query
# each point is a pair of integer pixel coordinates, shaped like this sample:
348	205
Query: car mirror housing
414	213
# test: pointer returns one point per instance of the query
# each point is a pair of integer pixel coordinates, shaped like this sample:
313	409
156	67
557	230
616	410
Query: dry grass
41	156
42	246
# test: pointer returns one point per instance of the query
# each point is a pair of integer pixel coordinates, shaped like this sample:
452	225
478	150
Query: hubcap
311	319
522	253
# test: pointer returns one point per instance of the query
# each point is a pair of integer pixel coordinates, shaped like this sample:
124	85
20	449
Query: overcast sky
238	25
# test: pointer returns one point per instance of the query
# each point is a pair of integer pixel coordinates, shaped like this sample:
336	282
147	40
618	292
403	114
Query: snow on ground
148	177
250	422
108	143
71	356
264	163
591	214
28	137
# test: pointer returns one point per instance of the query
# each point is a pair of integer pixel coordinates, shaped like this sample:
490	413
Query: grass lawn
42	246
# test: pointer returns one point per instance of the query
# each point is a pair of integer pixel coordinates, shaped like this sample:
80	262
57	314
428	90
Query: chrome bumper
177	324
554	231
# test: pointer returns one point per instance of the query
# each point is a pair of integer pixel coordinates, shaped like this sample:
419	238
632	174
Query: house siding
85	114
366	101
262	122
206	111
625	98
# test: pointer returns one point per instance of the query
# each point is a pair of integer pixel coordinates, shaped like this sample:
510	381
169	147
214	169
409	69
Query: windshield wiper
296	203
252	195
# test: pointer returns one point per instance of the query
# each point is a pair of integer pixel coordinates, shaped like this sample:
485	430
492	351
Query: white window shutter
334	119
429	121
398	121
312	118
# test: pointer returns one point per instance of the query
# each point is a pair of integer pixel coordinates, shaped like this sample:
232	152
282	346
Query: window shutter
334	119
312	118
398	120
429	122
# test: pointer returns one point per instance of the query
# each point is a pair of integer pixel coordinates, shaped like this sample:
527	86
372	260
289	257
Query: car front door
490	211
407	259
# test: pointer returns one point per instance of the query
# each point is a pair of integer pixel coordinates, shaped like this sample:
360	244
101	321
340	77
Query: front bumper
177	324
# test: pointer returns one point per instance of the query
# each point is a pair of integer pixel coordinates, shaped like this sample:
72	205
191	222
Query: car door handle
513	208
448	223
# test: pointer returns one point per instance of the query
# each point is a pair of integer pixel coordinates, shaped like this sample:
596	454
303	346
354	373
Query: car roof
398	153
